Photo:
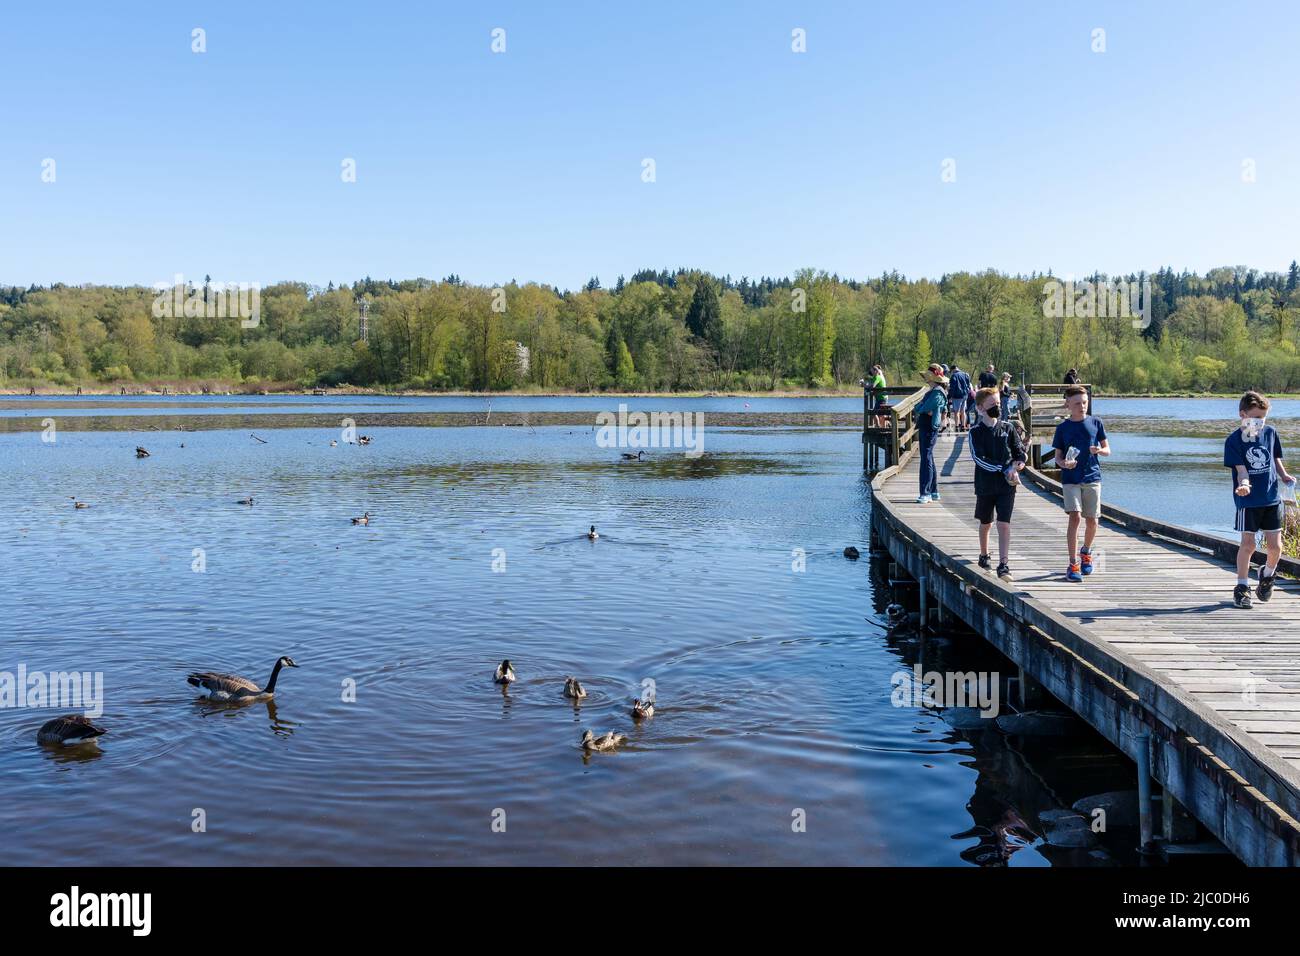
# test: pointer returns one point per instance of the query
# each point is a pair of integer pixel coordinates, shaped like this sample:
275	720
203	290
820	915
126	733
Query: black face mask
993	412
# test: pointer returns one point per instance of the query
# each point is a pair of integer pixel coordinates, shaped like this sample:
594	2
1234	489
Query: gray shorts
1083	497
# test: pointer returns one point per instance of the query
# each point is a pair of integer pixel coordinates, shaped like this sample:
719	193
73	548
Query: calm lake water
774	686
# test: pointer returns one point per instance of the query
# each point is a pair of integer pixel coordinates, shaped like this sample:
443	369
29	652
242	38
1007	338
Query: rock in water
1121	807
965	718
1066	828
852	553
1039	724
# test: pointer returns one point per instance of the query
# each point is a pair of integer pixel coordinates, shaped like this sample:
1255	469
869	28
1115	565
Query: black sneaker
986	562
1004	572
1264	590
1241	595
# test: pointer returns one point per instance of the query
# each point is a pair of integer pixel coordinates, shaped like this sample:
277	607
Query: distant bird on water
592	534
364	519
643	708
505	674
245	501
141	451
78	504
604	742
69	730
628	456
573	689
363	439
232	687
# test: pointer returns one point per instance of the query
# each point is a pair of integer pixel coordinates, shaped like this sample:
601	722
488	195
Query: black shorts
1263	518
1002	503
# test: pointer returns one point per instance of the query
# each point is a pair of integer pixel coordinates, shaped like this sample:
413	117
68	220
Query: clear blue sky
527	164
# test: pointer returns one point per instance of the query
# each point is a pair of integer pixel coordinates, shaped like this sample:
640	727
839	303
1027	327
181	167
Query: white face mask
1251	428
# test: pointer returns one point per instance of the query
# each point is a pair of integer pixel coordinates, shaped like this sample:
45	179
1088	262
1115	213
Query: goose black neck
275	675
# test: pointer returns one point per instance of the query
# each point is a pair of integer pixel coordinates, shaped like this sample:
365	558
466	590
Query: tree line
684	330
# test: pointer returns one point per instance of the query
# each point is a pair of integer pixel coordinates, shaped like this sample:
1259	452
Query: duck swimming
79	504
245	501
592	535
69	730
628	456
604	742
573	689
363	439
232	687
505	674
141	451
643	708
364	519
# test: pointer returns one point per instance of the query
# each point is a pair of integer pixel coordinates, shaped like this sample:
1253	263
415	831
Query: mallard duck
505	674
896	614
628	456
245	501
592	534
643	708
604	742
69	730
232	687
364	519
573	689
141	451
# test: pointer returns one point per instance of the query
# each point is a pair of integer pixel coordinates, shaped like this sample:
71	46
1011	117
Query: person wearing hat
929	418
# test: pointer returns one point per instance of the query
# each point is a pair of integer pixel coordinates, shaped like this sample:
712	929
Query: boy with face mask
1254	453
999	455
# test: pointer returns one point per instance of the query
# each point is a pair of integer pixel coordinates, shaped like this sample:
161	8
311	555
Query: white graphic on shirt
1257	459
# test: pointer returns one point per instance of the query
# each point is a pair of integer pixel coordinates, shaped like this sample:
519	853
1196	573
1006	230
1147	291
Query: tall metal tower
364	305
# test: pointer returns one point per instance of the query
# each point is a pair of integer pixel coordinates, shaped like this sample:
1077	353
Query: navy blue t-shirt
1081	435
1260	458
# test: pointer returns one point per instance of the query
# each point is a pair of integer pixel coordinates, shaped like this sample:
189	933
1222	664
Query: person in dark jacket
1072	377
958	397
989	377
999	455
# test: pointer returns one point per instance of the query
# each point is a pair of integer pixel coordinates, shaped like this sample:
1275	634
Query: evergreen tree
704	317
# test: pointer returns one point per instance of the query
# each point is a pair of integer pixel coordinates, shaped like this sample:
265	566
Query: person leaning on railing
878	395
929	418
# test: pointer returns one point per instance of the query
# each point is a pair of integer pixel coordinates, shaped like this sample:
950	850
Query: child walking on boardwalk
1254	453
999	455
1078	443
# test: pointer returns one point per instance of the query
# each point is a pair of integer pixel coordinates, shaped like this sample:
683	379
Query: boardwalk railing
895	439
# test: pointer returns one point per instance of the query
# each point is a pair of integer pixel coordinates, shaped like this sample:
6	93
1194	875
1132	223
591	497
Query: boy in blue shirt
1254	453
1079	442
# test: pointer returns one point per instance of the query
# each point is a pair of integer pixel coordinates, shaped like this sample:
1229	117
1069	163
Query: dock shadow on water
718	585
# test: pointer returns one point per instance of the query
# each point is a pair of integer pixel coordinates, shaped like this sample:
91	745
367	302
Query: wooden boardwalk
1150	643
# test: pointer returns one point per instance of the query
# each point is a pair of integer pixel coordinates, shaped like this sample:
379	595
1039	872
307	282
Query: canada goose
364	519
643	708
231	687
245	501
72	729
852	553
592	535
573	689
604	742
628	456
141	451
505	674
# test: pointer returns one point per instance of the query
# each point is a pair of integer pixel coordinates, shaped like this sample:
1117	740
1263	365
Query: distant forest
687	330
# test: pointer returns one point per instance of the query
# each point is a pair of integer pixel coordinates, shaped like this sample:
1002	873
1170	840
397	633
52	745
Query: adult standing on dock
958	396
989	377
929	419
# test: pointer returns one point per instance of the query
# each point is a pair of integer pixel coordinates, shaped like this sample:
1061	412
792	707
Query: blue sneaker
935	496
1072	573
1085	561
922	499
